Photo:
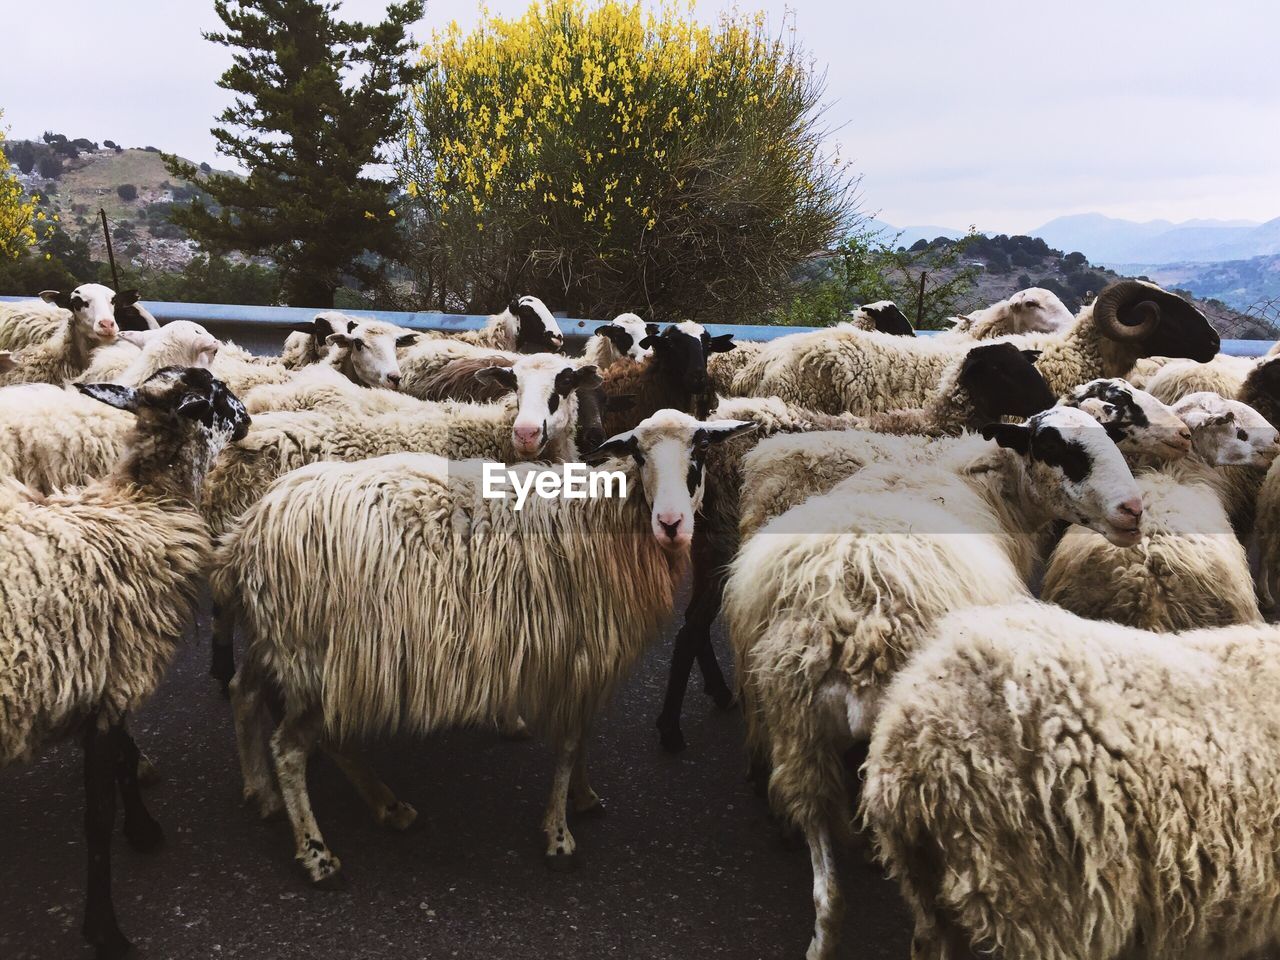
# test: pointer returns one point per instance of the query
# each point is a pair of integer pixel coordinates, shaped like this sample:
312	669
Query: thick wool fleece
1053	788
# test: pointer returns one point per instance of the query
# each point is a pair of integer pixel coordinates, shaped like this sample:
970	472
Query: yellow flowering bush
18	216
607	157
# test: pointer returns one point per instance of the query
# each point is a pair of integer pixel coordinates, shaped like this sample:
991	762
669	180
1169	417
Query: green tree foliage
612	156
127	192
316	98
209	279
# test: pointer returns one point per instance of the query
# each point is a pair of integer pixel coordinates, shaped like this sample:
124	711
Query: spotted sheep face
625	332
530	324
182	342
94	308
681	351
191	393
1138	423
1076	472
1227	432
542	383
670	450
372	347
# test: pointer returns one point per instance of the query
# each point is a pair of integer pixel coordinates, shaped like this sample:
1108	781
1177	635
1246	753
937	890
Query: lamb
508	624
307	343
52	438
1034	310
1189	570
1045	787
846	369
525	326
828	601
988	382
619	340
32	322
537	425
87	320
123	559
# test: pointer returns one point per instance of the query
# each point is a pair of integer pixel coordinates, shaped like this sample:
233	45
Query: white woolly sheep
87	321
525	326
1189	570
1223	375
987	383
1045	787
618	340
829	600
124	559
31	322
884	316
307	343
507	626
1034	310
847	369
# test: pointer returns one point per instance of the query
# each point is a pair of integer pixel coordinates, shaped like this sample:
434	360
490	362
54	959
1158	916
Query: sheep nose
394	380
527	436
1130	510
1185	434
670	524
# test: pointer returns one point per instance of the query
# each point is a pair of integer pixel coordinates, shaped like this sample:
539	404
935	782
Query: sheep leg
291	745
511	725
387	810
586	802
561	847
140	828
100	927
247	708
223	666
694	641
827	905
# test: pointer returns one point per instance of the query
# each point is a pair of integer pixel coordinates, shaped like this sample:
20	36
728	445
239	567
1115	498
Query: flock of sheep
989	593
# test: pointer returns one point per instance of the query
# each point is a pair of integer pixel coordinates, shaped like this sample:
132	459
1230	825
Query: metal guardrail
264	321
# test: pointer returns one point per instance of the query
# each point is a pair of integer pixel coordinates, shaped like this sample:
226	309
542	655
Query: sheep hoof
562	862
113	946
145	836
672	739
593	811
324	872
399	816
148	772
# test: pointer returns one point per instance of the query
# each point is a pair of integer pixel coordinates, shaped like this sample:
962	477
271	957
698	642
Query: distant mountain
1113	241
1242	284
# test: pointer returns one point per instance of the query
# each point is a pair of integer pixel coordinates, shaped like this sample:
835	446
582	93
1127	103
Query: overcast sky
999	113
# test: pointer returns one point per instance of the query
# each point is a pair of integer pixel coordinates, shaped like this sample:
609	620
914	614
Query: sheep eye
1242	435
554	402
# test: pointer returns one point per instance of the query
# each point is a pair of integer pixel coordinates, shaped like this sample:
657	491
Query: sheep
847	369
87	321
422	364
1034	310
988	382
1141	426
52	437
525	326
307	343
1045	787
829	600
32	322
1223	375
883	315
1260	389
1189	570
508	623
538	424
98	586
619	340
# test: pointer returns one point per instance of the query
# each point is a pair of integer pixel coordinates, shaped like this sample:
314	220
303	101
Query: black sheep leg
140	829
100	927
693	641
223	667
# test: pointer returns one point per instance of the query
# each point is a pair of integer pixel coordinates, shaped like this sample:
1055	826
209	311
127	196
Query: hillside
1243	284
142	233
1003	265
1113	241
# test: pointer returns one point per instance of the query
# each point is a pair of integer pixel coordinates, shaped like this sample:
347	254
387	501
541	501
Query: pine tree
316	99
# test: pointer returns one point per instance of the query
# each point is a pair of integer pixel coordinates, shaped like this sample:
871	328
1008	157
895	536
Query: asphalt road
685	864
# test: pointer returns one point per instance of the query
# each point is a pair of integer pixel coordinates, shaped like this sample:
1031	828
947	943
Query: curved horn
1127	310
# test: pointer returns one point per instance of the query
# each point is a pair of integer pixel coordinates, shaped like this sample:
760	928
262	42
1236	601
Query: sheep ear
1099	409
583	378
651	329
721	344
1217	419
498	376
514	306
126	298
352	324
1031	355
1013	436
406	340
615	335
112	394
320	328
622	445
717	431
57	298
338	340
